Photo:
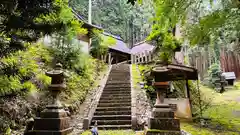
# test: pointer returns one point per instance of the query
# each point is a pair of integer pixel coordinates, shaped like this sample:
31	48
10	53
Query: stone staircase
114	107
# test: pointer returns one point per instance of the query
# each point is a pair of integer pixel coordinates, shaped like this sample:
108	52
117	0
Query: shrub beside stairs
114	107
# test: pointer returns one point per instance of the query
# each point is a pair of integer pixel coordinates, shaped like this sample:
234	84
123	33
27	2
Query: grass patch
112	132
135	76
194	129
224	113
218	98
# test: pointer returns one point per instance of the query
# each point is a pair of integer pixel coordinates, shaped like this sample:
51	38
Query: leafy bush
200	102
78	85
213	75
100	43
20	68
167	43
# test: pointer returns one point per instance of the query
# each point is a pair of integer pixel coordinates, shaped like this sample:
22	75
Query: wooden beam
189	96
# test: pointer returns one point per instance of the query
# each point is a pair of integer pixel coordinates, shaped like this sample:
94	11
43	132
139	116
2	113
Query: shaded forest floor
224	113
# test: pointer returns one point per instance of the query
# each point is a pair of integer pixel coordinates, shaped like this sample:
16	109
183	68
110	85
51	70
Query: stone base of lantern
163	122
53	121
47	132
156	132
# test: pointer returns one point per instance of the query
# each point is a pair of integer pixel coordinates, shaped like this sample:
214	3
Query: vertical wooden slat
132	59
146	56
135	58
150	56
143	57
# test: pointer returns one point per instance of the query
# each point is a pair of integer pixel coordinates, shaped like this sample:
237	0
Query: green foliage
15	29
167	43
201	21
213	74
79	85
225	115
118	17
100	43
20	67
195	130
9	85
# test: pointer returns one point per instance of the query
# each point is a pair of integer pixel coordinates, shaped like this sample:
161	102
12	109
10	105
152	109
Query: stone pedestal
162	121
54	119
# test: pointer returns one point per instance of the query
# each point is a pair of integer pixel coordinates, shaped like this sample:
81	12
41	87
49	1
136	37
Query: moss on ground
112	132
135	76
195	129
224	113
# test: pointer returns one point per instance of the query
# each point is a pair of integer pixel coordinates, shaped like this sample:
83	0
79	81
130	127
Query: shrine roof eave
177	72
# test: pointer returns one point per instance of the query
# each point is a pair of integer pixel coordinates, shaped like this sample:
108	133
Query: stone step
119	73
120	70
112	122
128	88
116	95
163	132
118	82
114	104
166	124
117	87
116	92
106	93
114	127
127	108
115	101
113	112
119	78
112	117
115	98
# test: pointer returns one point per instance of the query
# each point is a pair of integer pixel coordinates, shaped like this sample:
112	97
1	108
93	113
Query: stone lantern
54	119
162	120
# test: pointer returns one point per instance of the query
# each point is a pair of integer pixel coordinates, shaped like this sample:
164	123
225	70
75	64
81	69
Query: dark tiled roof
111	35
120	45
142	47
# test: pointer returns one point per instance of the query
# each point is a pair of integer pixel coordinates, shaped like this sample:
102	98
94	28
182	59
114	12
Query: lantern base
46	132
163	122
54	120
156	132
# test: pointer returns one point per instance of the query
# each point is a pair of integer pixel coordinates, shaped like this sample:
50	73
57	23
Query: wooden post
132	61
143	56
135	58
150	56
188	95
109	59
138	58
146	56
